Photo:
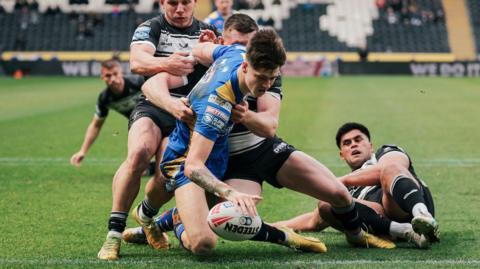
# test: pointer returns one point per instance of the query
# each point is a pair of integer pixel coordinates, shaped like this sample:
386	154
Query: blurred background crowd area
391	26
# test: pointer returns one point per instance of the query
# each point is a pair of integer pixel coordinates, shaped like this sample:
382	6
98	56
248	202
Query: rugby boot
428	226
418	240
303	243
367	240
135	236
155	236
111	248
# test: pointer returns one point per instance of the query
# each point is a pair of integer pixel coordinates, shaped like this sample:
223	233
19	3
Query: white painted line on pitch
48	261
452	162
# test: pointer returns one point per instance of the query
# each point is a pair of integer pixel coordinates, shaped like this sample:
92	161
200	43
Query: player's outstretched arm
264	122
203	52
370	175
195	170
91	134
156	89
143	62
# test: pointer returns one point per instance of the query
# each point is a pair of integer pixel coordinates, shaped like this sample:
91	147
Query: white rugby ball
228	222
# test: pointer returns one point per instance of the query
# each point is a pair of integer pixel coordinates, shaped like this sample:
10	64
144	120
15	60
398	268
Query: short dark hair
241	22
349	126
110	63
265	50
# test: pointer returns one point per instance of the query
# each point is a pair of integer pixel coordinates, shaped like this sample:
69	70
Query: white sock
398	230
420	209
114	234
143	217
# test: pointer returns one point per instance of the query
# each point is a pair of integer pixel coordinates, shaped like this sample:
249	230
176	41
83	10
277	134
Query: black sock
269	233
406	193
372	222
148	210
117	221
348	216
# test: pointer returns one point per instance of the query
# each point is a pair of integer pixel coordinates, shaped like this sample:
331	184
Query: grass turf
54	215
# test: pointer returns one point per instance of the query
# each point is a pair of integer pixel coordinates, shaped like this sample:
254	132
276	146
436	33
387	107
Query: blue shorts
173	165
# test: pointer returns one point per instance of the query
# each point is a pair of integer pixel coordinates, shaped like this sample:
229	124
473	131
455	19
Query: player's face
259	81
113	77
179	13
355	148
224	6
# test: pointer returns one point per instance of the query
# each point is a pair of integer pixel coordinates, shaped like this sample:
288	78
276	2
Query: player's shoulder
103	96
387	148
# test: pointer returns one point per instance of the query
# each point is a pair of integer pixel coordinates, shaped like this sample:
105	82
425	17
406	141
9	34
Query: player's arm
91	134
143	62
156	89
196	171
203	52
370	175
264	122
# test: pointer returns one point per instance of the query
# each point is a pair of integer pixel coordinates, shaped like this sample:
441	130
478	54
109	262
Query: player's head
239	28
224	6
265	55
353	140
178	13
112	74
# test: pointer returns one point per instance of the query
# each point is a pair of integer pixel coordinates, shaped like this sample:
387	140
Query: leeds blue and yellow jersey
212	100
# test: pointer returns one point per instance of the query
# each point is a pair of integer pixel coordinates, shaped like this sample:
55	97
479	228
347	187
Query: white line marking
237	262
451	162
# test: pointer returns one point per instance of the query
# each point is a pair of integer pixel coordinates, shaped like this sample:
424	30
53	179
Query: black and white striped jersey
167	39
241	139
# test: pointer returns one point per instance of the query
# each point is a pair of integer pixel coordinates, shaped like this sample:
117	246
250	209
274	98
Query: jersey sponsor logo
212	121
141	33
219	101
217	113
280	147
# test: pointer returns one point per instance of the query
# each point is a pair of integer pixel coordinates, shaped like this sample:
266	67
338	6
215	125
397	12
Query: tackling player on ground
385	184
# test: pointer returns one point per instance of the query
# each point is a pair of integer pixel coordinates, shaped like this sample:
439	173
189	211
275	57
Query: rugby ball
227	221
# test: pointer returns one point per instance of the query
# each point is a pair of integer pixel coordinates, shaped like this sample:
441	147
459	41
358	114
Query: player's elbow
135	67
268	131
191	167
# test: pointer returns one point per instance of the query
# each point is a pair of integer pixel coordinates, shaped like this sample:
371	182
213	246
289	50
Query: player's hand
207	36
77	158
246	202
239	112
180	64
181	110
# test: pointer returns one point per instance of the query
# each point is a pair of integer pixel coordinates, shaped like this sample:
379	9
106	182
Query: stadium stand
474	7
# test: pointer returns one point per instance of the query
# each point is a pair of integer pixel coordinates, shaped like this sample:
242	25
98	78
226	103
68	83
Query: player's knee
138	158
390	171
341	198
324	209
203	245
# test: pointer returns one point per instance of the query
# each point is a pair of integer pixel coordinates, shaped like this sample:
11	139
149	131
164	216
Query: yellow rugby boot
156	238
303	243
367	240
111	247
135	236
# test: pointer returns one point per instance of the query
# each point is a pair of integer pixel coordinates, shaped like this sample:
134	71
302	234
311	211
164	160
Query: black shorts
260	164
162	119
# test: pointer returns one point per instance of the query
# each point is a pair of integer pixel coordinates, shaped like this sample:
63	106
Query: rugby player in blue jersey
279	165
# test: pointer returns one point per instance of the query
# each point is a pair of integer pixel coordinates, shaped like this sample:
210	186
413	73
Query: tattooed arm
196	171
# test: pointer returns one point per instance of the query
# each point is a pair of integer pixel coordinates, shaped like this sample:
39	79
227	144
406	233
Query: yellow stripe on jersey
226	92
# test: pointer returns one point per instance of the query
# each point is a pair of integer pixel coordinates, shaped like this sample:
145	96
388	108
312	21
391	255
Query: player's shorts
164	120
260	164
173	165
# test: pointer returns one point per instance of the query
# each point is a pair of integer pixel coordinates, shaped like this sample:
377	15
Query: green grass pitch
53	215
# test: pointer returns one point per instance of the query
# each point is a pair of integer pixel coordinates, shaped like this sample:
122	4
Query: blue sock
179	229
165	220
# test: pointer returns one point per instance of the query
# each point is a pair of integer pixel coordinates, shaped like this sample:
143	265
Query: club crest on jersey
141	33
219	101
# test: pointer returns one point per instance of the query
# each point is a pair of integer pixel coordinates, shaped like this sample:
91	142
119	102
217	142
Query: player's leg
194	232
404	198
304	174
143	141
308	222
